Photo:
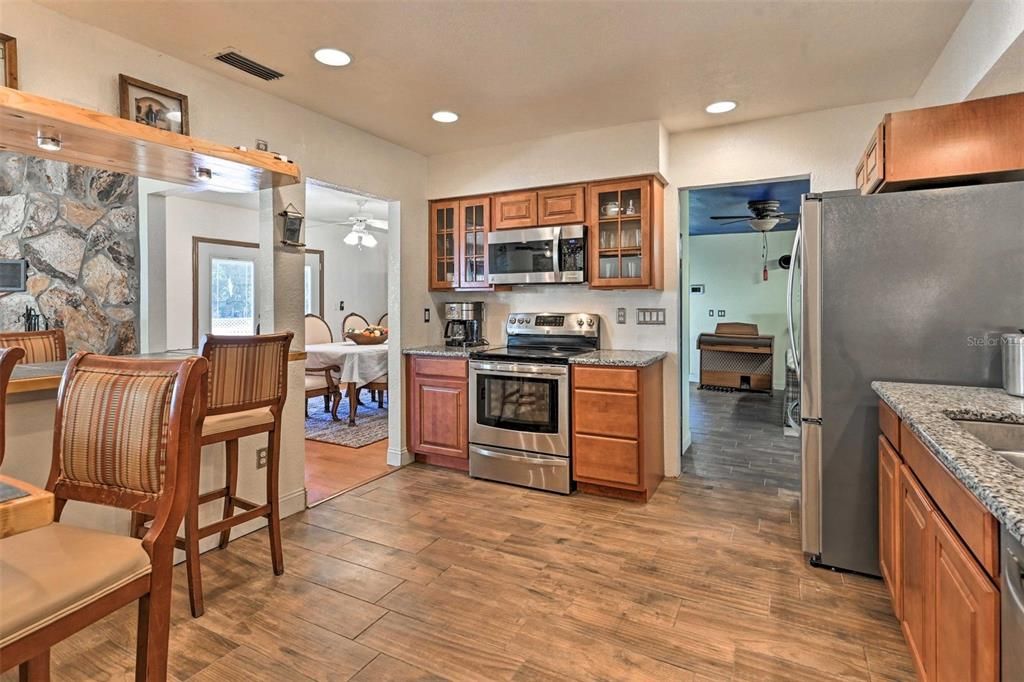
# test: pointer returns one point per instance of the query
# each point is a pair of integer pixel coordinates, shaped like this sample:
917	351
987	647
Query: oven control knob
521	320
579	321
590	322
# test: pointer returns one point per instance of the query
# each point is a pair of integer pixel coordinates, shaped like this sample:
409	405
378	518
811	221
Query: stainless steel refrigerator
909	286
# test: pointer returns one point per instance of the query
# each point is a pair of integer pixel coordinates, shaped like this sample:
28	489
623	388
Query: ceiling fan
764	215
360	236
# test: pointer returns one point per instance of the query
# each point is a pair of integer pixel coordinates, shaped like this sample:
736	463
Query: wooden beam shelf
99	140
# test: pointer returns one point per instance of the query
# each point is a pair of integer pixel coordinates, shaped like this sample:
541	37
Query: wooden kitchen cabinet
561	205
979	140
625	239
917	573
939	558
889	520
458	243
515	210
618	446
438	410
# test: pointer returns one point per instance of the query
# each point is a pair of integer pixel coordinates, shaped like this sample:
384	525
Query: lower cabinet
618	447
944	595
439	410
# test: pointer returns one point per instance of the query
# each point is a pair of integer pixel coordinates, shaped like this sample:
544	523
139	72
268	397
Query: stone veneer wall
78	228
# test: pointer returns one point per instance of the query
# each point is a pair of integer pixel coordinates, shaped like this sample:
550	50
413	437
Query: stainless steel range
519	400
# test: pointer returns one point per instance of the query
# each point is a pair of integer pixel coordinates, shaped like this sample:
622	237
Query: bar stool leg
274	516
154	623
35	669
195	579
231	452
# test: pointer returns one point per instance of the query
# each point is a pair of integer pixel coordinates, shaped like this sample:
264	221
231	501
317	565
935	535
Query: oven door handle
518	370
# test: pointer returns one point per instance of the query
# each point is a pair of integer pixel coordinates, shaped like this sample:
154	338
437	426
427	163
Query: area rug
371	424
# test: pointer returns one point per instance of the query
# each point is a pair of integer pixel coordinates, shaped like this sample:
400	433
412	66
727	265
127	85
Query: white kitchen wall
729	267
359	278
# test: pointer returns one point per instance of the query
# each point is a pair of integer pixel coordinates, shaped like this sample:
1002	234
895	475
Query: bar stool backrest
41	346
9	357
246	372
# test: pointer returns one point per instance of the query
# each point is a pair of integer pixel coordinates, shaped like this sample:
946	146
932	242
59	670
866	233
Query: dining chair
353	321
9	357
382	321
248	386
320	380
40	346
125	435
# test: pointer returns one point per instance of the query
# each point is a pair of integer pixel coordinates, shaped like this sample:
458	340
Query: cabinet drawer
437	367
978	528
606	414
606	459
889	423
605	378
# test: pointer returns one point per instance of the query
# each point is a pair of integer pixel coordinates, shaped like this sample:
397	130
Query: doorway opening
743	386
347	364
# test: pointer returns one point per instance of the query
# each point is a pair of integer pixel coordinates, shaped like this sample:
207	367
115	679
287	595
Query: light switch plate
650	316
620	315
711	312
426	314
721	313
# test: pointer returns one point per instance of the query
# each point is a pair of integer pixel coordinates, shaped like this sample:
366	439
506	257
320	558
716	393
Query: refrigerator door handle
793	260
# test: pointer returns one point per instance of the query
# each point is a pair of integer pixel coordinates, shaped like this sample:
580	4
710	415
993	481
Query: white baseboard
399	457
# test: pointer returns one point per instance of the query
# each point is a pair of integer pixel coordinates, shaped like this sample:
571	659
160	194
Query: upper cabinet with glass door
458	243
625	233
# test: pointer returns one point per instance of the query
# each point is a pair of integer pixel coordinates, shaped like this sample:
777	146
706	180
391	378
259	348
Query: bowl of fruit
370	336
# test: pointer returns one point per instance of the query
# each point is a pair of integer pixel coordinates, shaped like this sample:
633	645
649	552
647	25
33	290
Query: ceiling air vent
249	66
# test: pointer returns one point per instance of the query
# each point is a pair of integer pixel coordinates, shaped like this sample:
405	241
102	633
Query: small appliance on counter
464	325
519	400
1013	363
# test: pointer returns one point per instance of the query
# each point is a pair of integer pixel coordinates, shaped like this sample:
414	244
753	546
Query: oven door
520	406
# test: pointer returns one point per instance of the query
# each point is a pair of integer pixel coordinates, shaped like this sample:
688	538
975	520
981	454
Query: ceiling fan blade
741	220
783	220
731	217
373	222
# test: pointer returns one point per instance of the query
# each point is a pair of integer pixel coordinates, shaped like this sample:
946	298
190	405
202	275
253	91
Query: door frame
320	254
196	242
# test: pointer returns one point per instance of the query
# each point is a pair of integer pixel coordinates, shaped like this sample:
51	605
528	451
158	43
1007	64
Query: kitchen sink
1006	439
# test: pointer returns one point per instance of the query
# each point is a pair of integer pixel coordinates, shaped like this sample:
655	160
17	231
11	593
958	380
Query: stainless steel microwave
538	255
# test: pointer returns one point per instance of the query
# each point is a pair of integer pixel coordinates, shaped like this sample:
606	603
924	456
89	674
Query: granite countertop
619	358
442	351
929	411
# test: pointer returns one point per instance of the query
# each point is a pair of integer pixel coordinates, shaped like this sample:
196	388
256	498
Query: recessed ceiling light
332	57
445	116
722	107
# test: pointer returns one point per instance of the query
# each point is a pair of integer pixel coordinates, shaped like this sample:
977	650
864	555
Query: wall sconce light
292	226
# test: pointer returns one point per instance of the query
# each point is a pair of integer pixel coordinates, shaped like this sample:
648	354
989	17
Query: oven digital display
549	321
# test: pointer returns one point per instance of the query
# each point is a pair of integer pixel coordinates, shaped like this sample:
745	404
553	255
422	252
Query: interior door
227	290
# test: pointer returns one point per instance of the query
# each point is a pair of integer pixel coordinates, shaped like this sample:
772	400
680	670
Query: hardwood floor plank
399	537
417	568
384	668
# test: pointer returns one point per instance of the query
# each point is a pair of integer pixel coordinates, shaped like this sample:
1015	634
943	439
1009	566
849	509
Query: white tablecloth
359	364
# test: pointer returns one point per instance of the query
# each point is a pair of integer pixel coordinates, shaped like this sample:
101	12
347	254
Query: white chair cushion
315	381
49	572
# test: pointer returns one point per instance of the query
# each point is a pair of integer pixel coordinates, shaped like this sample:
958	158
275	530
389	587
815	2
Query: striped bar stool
248	387
41	346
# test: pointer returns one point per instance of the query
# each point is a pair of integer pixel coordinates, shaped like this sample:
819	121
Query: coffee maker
464	324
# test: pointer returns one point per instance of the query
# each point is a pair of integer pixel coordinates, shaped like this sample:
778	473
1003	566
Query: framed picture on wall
8	61
153	105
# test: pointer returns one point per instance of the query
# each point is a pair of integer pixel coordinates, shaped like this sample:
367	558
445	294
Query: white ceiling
527	69
325	206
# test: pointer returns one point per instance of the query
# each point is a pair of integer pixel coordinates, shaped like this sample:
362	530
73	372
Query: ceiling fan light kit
764	215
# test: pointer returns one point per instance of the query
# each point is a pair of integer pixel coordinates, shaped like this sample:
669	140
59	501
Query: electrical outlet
426	314
721	313
711	312
620	315
262	145
261	458
341	305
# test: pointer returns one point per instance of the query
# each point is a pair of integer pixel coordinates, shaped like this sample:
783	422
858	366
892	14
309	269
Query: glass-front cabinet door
620	241
474	224
444	221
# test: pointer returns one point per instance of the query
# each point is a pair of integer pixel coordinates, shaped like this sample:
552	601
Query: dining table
358	365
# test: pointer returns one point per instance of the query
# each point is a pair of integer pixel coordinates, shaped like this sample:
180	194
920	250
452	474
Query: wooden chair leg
35	669
231	467
353	403
327	403
274	516
380	400
154	626
335	403
305	406
195	579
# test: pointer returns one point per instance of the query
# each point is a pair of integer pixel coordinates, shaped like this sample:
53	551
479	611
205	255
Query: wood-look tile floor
332	468
426	574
